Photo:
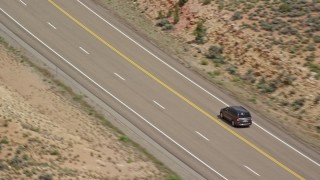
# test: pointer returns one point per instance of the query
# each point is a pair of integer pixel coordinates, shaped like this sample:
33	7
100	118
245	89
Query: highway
171	104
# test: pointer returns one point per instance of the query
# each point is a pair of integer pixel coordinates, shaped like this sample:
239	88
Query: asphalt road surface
174	106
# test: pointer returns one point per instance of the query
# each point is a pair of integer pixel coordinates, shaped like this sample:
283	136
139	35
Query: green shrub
206	2
200	32
25	157
164	24
3	165
253	99
284	103
214	73
265	25
318	128
204	62
4	140
288	30
28	173
288	80
316	100
314	68
160	15
311	57
167	27
248	76
45	177
285	7
267	87
232	69
245	26
176	15
182	2
295	13
236	16
310	47
316	39
214	52
6	123
235	79
249	6
298	103
314	24
16	162
169	13
220	5
54	152
173	177
124	138
218	61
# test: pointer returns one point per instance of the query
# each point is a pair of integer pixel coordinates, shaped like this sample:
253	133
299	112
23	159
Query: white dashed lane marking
23	2
84	50
119	76
251	170
158	104
51	25
202	136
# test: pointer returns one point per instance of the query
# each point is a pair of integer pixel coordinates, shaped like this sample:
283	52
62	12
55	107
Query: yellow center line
176	93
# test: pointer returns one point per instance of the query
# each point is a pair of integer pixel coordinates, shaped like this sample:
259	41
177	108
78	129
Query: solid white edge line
297	151
158	104
251	170
23	2
119	76
84	50
51	25
161	132
202	136
187	77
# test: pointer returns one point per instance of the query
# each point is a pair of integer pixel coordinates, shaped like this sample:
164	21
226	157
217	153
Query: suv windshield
244	114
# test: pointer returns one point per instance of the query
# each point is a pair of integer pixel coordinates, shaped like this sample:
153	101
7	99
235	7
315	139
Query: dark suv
238	115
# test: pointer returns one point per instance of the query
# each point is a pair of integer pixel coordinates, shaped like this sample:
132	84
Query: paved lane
175	112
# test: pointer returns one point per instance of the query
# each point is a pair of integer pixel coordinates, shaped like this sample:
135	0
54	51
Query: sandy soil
44	133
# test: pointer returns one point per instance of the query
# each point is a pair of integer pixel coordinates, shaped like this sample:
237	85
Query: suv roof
239	108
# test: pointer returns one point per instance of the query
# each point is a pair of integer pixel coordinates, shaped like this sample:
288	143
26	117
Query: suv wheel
221	115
